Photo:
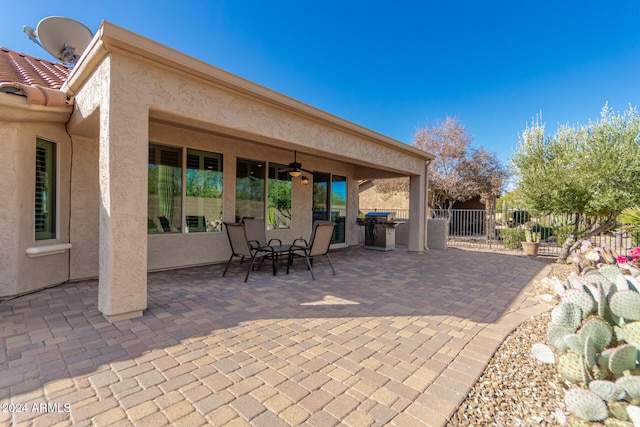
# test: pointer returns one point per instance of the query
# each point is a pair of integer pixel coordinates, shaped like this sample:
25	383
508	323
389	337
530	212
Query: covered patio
395	338
153	151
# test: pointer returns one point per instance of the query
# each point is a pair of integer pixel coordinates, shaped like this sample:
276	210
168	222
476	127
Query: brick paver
395	338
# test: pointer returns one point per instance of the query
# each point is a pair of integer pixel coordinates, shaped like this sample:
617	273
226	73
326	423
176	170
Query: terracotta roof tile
26	69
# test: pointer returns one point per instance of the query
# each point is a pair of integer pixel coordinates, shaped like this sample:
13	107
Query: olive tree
587	171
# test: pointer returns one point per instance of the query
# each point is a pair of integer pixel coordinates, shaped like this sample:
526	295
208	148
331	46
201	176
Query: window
203	202
249	189
165	189
279	197
45	197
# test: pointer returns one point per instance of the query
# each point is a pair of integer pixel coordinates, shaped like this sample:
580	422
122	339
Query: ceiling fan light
295	173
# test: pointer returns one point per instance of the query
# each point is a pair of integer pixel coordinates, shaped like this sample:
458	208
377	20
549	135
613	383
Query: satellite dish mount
64	38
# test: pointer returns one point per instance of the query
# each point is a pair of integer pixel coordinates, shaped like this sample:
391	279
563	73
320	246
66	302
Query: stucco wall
85	205
19	273
176	249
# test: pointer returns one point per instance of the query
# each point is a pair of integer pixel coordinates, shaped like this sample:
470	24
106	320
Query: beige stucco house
130	161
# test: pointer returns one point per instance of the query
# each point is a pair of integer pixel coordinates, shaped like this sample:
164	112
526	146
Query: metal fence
399	213
481	229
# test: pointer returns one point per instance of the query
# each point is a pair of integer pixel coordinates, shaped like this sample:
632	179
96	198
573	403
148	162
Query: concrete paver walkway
395	338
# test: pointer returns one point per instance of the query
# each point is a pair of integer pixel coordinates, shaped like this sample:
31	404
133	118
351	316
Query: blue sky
394	66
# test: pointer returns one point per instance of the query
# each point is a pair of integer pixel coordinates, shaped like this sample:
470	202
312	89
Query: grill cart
379	230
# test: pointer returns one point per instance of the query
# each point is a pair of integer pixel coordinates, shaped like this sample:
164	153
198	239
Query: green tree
589	172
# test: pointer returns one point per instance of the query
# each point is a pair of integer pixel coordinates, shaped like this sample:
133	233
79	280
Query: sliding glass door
330	202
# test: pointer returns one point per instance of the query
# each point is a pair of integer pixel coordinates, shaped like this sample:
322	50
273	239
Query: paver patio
395	338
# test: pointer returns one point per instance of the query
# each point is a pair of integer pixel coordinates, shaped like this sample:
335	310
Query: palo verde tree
459	172
590	172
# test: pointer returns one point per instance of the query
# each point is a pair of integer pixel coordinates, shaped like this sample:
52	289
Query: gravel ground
515	389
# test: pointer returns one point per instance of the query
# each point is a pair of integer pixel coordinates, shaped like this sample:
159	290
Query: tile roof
28	70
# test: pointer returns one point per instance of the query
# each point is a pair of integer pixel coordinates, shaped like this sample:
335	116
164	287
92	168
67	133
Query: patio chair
256	233
318	245
241	248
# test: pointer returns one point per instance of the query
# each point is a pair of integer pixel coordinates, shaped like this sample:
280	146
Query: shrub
545	232
520	217
512	237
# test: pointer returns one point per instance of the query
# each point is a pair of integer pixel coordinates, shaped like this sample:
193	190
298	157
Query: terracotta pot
530	248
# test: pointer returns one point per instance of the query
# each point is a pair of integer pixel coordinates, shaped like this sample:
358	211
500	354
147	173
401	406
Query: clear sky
393	66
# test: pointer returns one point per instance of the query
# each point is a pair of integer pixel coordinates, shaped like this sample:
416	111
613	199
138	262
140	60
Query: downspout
426	202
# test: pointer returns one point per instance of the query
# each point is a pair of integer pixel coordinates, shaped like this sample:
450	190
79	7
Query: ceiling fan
295	168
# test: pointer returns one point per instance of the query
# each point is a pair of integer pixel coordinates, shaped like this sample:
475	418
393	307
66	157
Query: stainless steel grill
379	230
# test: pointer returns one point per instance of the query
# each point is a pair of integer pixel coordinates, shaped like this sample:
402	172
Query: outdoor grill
379	230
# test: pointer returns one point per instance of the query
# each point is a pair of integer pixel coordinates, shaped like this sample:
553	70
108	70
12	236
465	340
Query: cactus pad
586	404
631	386
567	315
634	414
543	353
611	272
575	282
590	353
607	390
581	298
617	410
626	304
575	343
623	358
621	283
558	286
630	333
634	283
570	366
556	335
596	279
599	331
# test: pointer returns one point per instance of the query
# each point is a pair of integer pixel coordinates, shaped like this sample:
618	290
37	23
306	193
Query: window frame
51	233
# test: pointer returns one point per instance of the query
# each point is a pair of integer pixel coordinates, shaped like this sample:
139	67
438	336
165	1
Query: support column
124	151
417	214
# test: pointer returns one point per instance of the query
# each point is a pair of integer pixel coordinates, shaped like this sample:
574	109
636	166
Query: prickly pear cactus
581	298
575	343
623	358
599	331
590	353
586	404
568	315
570	366
626	304
630	333
631	387
634	414
556	336
611	272
595	342
618	410
607	390
543	353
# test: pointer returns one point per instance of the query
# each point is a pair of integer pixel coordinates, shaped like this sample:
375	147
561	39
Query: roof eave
16	109
112	38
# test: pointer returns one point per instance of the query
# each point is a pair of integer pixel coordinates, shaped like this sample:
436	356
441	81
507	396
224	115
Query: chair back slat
321	239
238	239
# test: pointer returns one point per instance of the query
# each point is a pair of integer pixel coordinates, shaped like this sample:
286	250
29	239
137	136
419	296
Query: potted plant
531	244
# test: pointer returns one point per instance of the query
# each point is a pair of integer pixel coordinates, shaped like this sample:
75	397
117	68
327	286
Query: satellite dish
63	38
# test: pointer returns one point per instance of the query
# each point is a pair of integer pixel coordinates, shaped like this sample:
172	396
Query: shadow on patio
368	344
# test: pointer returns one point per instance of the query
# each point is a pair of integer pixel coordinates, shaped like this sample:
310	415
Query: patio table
277	252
